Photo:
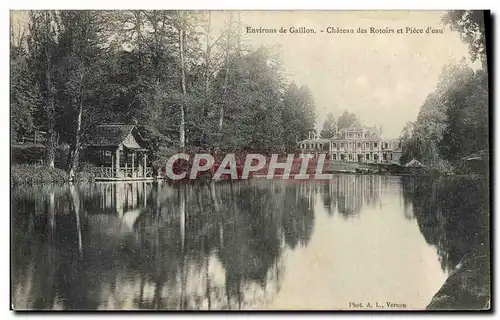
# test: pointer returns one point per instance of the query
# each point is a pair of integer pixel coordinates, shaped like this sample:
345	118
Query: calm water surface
248	245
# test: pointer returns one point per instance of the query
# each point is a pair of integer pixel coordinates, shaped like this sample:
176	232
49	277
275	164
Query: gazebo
415	164
416	167
118	152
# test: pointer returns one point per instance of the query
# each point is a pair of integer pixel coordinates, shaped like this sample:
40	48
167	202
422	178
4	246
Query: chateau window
334	145
359	145
375	144
368	157
334	157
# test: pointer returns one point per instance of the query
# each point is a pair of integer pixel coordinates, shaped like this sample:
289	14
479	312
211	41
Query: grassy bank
29	174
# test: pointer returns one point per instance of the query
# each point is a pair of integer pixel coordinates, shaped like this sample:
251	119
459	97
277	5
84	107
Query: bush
85	173
29	174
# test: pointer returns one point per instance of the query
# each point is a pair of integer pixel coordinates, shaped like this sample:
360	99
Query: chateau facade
355	144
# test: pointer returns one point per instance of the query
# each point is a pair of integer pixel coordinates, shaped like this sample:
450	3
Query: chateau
356	143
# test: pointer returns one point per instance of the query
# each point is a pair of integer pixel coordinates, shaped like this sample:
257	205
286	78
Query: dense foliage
26	174
453	121
169	72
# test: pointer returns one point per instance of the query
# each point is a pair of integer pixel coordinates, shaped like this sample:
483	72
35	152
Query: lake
257	244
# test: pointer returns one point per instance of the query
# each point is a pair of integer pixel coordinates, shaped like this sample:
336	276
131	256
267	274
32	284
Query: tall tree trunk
76	143
207	76
207	54
51	145
239	33
182	133
226	76
51	142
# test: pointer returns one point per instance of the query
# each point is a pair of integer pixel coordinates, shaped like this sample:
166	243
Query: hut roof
110	134
415	164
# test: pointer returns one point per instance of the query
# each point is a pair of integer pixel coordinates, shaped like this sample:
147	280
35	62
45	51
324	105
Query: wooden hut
118	152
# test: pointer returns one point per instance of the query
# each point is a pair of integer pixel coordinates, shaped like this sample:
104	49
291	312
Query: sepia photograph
250	160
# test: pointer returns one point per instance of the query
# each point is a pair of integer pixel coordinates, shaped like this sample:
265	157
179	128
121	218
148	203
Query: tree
24	94
78	77
298	114
470	25
162	70
347	119
467	124
329	127
42	43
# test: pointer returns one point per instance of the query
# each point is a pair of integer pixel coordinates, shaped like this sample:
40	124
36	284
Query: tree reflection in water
452	214
205	246
154	245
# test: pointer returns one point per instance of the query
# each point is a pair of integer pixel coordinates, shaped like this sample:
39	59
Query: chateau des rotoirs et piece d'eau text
338	30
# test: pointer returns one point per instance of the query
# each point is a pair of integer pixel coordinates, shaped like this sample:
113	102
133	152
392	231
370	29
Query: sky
383	78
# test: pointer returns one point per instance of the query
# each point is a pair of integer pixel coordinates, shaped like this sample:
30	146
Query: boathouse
118	152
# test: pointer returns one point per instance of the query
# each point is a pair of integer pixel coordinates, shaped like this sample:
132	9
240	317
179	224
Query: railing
104	172
124	172
35	137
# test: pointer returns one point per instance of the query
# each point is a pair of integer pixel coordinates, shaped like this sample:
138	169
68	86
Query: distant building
313	145
357	143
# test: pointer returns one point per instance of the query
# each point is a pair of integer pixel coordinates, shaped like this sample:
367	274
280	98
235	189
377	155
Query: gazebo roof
415	164
112	135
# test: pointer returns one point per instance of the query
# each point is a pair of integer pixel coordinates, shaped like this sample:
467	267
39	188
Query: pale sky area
383	78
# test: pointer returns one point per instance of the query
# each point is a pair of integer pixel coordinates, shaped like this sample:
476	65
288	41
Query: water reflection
225	245
452	214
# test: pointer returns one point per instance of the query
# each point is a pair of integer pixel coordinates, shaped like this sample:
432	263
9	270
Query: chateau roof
314	141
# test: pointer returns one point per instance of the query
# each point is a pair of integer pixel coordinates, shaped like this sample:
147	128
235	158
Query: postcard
250	160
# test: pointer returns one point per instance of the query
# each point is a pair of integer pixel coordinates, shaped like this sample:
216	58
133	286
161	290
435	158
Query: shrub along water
30	174
21	174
